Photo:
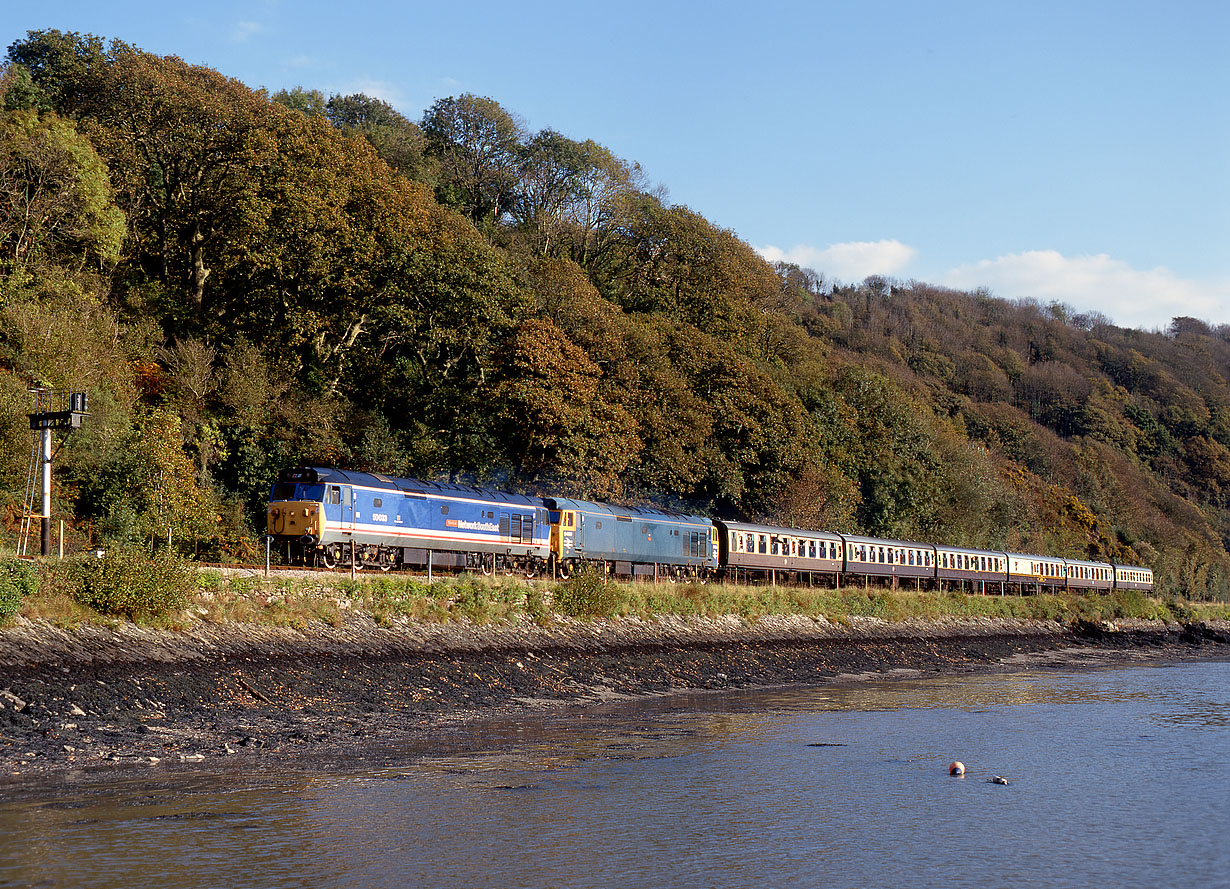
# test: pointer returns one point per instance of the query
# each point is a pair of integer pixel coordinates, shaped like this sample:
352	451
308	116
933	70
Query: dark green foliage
129	583
19	578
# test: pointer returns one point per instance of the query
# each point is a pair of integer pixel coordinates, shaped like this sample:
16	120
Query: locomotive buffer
52	411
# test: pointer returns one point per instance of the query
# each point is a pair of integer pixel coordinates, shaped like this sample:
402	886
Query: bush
18	579
536	606
127	583
588	594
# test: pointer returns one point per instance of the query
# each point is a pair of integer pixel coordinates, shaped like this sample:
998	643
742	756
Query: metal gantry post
46	536
44	419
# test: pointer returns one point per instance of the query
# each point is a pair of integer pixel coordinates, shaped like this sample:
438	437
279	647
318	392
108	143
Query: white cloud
851	261
244	30
1131	297
377	89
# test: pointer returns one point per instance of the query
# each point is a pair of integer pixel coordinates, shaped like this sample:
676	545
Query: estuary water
1118	777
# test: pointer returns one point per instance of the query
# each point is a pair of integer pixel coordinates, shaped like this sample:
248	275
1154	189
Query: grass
305	602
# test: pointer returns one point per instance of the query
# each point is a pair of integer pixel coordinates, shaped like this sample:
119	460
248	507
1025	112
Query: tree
571	194
309	102
62	64
56	201
398	141
476	143
186	141
554	422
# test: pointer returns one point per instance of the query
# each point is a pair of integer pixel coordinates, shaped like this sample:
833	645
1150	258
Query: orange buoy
957	769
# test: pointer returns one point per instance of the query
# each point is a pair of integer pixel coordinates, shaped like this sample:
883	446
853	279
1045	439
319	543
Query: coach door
347	508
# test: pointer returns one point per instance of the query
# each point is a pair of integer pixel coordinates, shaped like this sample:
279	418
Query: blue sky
1071	151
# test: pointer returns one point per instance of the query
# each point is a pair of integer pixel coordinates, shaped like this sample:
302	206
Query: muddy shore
99	698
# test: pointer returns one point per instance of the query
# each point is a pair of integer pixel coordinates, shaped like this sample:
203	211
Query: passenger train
332	517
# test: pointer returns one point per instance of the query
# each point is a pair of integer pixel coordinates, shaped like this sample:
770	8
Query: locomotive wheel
486	563
532	567
563	570
509	567
328	558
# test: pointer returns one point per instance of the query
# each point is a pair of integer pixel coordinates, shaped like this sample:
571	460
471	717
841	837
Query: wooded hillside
245	282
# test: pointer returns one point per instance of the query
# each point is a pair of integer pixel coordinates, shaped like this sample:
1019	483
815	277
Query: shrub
588	594
536	606
18	579
127	583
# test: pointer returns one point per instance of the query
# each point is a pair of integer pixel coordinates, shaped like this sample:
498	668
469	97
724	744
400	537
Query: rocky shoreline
98	698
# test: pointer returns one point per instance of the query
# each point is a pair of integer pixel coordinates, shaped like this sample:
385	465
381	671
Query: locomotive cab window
335	495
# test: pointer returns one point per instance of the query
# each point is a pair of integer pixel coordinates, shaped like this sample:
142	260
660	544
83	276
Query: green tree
398	141
62	64
476	143
56	202
309	102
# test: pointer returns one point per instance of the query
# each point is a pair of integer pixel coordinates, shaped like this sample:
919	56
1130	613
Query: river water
1118	777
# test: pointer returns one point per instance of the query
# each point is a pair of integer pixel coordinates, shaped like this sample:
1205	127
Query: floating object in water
957	769
998	779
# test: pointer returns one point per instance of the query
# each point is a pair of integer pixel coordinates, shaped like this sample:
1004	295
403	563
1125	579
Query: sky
1068	151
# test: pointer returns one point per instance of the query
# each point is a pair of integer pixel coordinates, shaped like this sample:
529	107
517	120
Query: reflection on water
1117	779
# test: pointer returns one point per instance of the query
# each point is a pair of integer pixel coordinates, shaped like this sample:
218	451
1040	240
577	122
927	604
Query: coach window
811	549
764	544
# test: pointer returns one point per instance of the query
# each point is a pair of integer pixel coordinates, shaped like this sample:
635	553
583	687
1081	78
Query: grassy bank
170	595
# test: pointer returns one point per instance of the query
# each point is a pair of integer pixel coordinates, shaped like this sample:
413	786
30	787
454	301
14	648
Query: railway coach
1132	577
972	568
895	559
764	550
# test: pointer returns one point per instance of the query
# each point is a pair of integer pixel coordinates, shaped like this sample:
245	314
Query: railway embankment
100	696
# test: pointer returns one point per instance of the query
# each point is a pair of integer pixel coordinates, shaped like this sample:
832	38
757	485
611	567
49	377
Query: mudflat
100	699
